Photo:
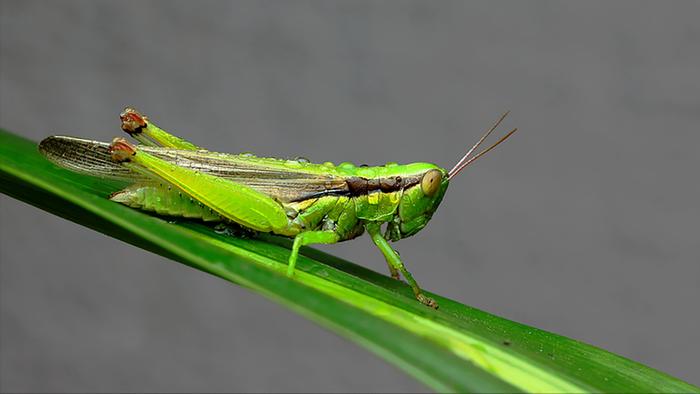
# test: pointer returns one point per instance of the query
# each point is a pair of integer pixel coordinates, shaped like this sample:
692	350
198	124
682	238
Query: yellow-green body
313	203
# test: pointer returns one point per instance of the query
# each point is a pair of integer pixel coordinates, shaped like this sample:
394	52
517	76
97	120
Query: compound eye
431	182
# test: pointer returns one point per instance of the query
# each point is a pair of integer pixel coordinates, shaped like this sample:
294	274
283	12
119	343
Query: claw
121	150
427	301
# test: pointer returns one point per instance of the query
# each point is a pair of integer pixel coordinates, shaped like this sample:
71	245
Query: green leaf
456	348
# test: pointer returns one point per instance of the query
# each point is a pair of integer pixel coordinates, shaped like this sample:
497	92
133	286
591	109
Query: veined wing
85	156
283	180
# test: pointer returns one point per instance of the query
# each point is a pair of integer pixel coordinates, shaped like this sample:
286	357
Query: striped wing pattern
269	176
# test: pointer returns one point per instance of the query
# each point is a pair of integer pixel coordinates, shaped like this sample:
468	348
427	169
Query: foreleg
394	261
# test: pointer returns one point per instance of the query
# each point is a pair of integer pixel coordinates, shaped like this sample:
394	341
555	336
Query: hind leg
234	201
147	133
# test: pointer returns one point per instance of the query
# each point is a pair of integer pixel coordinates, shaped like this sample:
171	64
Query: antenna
466	160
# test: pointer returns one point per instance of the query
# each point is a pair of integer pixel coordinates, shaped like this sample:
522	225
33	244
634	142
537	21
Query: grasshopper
312	203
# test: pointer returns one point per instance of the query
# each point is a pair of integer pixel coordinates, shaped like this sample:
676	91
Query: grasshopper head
418	203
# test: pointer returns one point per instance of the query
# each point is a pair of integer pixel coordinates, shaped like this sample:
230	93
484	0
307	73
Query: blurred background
586	223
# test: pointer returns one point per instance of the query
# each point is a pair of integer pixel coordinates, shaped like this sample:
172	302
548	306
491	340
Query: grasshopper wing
85	156
272	177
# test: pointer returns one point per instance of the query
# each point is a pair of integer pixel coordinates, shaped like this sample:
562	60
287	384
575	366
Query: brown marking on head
132	121
121	150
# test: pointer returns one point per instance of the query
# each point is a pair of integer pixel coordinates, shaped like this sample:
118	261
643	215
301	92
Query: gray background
585	223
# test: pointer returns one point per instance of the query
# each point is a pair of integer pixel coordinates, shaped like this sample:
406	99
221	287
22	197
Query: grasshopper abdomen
164	200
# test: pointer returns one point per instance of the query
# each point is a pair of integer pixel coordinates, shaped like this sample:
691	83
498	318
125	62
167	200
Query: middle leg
307	238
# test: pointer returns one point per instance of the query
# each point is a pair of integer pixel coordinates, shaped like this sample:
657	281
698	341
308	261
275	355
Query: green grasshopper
313	203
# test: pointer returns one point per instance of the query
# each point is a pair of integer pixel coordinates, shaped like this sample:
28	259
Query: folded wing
274	177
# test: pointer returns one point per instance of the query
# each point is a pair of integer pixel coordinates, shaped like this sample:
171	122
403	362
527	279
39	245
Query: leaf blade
457	348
